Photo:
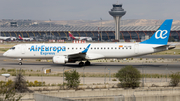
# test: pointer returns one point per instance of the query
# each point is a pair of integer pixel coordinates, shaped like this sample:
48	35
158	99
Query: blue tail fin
161	36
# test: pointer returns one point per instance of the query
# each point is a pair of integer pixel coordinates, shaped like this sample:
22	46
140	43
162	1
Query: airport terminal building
127	33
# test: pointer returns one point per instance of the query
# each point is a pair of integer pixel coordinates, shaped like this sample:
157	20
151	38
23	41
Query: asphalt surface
95	67
161	56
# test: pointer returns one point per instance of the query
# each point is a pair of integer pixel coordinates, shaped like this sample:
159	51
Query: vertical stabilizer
71	36
20	37
161	36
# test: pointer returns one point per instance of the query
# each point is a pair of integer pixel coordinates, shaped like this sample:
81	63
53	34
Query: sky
88	9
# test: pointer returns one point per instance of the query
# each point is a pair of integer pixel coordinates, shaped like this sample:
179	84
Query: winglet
85	51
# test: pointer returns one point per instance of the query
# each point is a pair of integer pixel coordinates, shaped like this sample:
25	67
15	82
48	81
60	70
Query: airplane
25	39
71	52
79	38
7	38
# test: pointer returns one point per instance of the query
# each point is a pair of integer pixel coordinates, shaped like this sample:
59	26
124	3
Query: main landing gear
87	63
20	61
81	64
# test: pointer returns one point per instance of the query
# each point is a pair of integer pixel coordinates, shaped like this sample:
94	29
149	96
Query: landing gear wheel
87	63
20	63
81	64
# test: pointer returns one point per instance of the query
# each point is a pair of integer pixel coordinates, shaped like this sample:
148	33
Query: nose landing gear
20	61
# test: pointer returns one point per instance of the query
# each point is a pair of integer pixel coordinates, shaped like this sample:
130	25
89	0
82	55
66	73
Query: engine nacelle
60	59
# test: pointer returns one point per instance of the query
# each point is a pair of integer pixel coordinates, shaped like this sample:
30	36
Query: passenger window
72	48
111	47
91	48
97	48
104	48
94	48
101	48
108	48
115	48
80	48
119	48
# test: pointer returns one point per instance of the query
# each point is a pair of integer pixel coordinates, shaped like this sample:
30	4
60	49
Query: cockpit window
12	48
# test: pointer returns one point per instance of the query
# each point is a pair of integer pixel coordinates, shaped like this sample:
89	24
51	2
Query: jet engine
60	59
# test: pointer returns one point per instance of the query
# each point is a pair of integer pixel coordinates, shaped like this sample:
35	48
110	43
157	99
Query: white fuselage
27	39
6	38
83	38
96	50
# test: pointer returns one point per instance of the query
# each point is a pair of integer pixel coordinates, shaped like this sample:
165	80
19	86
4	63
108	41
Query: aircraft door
23	47
136	48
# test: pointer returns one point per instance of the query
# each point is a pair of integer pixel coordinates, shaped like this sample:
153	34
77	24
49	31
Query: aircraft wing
78	55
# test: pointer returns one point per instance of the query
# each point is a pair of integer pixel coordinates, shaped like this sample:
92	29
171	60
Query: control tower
117	12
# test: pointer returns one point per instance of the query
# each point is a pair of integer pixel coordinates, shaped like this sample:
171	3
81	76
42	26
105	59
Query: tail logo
161	34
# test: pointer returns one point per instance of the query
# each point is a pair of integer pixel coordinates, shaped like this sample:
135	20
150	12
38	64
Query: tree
175	79
20	84
72	78
129	77
8	92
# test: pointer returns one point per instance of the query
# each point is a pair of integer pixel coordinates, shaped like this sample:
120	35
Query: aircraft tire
81	64
87	63
20	63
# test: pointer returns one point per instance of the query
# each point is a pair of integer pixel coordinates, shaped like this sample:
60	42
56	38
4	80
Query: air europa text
44	48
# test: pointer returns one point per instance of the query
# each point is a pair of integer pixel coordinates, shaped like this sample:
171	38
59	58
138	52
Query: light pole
142	75
101	28
109	74
0	31
63	77
50	28
98	34
83	76
166	72
42	77
105	75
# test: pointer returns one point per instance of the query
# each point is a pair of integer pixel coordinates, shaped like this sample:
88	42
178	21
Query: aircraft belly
113	54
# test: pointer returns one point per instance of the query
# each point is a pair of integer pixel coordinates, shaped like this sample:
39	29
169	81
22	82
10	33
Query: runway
96	67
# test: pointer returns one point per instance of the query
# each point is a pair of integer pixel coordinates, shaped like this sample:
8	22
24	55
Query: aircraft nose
5	54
